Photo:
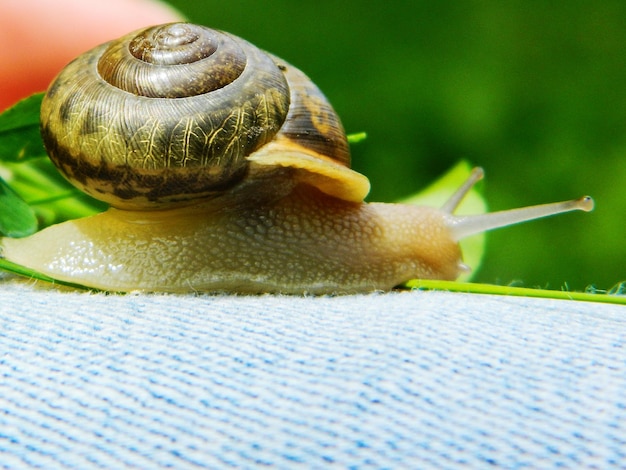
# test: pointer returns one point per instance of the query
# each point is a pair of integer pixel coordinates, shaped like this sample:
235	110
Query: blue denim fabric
402	380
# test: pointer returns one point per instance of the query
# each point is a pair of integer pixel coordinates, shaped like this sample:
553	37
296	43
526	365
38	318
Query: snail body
286	245
229	174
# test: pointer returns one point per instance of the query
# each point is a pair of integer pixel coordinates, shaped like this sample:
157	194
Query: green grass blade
356	137
20	270
474	288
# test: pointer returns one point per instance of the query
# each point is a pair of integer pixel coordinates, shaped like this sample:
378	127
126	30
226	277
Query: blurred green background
533	91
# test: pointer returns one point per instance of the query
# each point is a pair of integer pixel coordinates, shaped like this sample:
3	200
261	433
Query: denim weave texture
397	380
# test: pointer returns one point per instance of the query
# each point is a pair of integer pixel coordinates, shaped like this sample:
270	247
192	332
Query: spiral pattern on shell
170	113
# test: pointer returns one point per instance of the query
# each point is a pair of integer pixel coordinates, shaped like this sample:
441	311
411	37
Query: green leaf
439	192
52	198
17	219
50	195
19	131
34	180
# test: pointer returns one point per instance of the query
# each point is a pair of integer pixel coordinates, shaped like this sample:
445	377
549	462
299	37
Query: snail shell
178	112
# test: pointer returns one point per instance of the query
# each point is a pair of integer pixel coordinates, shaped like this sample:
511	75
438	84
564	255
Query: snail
226	169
